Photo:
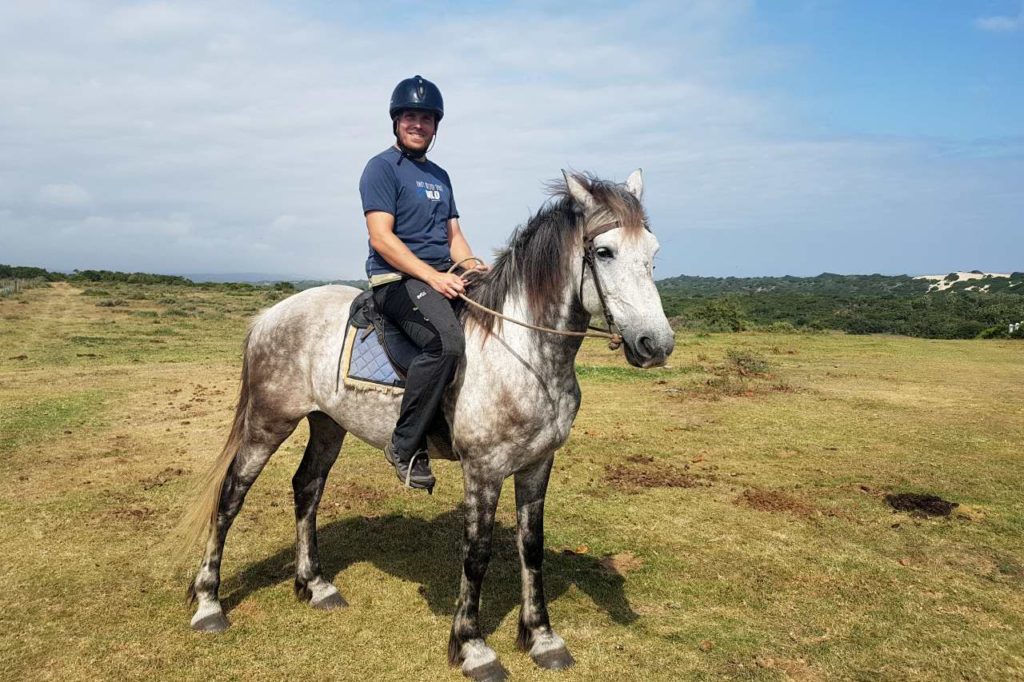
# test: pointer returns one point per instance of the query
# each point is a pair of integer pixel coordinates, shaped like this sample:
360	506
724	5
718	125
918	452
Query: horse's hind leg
259	441
325	438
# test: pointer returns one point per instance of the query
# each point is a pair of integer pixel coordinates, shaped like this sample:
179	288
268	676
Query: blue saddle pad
376	353
365	363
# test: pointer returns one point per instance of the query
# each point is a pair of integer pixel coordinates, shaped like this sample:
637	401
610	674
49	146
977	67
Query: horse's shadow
429	552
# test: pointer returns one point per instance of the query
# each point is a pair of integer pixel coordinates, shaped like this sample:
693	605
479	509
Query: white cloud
1001	24
231	136
64	196
150	21
284	223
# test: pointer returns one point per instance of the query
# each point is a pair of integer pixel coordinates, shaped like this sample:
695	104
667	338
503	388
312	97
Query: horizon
251	276
782	139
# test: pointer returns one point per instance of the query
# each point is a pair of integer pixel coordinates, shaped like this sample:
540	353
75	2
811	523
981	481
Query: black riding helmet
416	93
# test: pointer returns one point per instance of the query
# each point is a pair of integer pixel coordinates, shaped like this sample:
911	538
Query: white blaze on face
625	264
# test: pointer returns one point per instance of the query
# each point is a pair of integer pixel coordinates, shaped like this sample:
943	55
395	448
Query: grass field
720	518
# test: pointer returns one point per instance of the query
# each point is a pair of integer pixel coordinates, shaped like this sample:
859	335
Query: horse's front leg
466	643
535	634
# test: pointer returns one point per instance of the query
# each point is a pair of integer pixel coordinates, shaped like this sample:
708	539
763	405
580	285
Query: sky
786	137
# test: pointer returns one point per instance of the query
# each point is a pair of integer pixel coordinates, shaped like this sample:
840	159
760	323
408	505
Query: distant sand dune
942	283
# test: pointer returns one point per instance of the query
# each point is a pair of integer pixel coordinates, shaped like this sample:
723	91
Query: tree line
956	315
856	304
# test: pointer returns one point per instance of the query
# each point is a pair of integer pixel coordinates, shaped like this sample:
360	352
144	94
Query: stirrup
389	455
408	472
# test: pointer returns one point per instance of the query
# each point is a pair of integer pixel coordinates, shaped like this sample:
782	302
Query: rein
614	338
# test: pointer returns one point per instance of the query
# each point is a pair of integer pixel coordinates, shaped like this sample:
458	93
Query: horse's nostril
647	346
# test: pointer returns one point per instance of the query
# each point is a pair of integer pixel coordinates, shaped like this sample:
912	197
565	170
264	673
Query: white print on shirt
429	190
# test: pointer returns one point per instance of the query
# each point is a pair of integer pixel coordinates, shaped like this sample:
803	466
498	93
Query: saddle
376	353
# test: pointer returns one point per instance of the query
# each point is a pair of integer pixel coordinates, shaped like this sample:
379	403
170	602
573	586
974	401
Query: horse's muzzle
648	350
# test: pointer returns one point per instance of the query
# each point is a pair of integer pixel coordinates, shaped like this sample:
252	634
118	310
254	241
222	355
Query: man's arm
381	226
460	247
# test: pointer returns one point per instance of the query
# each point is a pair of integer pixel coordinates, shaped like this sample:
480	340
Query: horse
512	401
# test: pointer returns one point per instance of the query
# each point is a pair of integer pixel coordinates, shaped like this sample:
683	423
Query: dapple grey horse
510	406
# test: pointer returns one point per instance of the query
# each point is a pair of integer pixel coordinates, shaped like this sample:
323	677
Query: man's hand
447	284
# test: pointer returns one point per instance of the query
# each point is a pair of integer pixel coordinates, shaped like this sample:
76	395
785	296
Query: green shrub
720	315
747	363
996	332
781	327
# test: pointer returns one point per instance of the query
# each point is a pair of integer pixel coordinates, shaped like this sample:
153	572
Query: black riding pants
430	321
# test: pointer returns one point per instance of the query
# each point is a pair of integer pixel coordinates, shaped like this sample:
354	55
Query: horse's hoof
480	663
554	659
331	602
492	671
213	622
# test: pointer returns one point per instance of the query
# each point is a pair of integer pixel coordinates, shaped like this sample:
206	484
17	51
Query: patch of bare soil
793	668
920	505
645	472
621	563
130	514
162	478
775	501
348	493
729	386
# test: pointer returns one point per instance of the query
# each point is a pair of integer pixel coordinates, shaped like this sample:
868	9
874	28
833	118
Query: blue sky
902	68
776	137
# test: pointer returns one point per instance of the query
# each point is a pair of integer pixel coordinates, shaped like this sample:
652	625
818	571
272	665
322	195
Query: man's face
416	129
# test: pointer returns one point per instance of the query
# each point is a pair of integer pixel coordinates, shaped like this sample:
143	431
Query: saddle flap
401	351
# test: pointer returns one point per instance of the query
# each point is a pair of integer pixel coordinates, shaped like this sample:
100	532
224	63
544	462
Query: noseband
589	259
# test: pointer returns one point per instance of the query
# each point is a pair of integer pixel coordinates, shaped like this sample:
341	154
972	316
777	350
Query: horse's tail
200	519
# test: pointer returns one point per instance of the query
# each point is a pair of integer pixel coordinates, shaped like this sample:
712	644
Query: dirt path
42	320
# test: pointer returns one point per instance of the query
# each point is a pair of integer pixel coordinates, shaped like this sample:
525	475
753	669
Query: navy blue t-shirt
419	195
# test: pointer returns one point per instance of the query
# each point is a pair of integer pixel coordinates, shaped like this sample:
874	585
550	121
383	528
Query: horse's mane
536	259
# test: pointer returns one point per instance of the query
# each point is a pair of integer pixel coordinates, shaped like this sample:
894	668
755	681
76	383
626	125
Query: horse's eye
605	253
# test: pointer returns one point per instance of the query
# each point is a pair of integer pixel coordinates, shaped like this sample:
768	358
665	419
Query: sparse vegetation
722	517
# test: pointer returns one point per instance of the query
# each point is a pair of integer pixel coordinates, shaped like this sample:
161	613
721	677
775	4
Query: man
414	239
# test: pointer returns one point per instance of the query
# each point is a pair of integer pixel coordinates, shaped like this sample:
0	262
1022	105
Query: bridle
589	256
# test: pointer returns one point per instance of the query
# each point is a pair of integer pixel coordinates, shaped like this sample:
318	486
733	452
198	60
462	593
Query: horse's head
617	281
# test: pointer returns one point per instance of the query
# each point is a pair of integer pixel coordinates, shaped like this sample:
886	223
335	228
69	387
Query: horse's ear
578	191
635	183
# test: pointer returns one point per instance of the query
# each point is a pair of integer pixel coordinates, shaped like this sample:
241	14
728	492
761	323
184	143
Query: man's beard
414	153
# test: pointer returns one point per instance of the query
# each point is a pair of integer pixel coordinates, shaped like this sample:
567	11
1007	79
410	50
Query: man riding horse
511	405
414	239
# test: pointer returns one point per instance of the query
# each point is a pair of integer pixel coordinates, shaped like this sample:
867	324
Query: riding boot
430	322
414	470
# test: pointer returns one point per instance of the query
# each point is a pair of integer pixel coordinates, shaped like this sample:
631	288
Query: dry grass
782	561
